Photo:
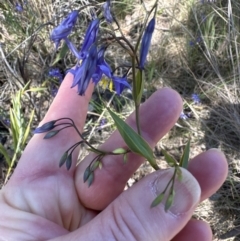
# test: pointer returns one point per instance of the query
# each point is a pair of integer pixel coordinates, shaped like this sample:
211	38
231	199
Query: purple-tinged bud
183	116
196	99
63	159
45	127
146	41
64	28
107	11
69	162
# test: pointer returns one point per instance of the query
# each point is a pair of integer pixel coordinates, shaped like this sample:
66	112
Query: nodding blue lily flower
146	41
120	84
90	37
55	73
102	67
107	11
64	28
19	7
84	72
196	99
183	116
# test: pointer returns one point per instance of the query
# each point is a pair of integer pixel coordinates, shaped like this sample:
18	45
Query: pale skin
44	202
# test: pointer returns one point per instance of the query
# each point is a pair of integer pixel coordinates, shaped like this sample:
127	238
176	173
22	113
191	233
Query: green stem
135	96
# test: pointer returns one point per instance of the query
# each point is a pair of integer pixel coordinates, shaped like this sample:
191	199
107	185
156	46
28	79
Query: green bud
170	200
63	159
119	151
95	166
86	174
69	162
51	134
157	200
90	179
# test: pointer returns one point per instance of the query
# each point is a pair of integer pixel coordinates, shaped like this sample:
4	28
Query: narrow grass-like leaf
5	154
157	200
139	86
185	157
133	140
27	131
169	159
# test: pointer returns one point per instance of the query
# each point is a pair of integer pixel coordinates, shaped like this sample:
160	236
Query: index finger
43	155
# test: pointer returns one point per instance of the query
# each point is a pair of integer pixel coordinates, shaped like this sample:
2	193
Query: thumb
130	217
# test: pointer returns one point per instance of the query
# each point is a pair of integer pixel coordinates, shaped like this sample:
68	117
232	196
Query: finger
157	116
196	230
210	168
42	156
129	217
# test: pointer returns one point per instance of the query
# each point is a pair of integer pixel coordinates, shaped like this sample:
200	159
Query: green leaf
170	160
185	157
133	140
27	131
170	200
5	154
61	54
139	87
157	200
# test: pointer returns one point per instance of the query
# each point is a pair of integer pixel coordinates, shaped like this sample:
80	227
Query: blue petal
91	35
64	28
72	48
146	41
107	12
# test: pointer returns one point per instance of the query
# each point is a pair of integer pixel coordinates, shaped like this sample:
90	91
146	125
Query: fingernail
187	191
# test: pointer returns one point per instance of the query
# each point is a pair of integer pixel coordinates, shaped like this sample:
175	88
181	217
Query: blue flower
183	116
64	28
84	72
102	67
90	37
146	41
107	11
120	84
55	73
196	99
19	7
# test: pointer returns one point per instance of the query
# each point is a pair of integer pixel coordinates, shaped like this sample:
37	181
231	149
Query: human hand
43	202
